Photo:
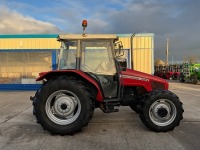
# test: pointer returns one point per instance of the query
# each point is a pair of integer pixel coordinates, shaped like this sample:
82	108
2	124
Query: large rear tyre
161	111
63	106
34	100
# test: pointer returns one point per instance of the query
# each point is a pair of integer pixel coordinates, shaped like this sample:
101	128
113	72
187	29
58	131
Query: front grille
157	85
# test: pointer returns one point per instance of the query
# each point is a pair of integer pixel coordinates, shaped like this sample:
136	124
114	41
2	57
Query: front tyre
64	106
135	105
161	111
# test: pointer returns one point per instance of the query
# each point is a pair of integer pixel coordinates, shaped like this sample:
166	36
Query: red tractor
167	72
90	76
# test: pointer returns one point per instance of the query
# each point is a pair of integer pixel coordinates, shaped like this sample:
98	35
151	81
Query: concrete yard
121	131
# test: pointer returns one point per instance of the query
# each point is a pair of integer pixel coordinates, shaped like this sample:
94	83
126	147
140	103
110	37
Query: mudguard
54	73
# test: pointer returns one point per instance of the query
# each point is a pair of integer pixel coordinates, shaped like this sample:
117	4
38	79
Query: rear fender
52	74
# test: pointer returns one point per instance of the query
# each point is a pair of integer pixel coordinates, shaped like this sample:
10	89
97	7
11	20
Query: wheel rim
162	112
63	107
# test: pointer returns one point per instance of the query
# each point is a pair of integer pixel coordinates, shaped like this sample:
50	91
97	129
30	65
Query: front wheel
161	111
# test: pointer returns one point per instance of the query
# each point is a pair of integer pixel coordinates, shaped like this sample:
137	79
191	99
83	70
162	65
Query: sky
178	20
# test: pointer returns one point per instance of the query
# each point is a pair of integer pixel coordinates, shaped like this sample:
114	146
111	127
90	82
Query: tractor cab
93	55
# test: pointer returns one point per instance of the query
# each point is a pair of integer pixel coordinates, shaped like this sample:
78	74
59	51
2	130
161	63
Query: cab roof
86	36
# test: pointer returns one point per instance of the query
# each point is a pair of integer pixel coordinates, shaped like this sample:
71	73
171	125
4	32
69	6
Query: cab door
97	60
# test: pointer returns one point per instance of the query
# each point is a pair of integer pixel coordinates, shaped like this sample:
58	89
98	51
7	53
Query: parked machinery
190	73
168	72
176	72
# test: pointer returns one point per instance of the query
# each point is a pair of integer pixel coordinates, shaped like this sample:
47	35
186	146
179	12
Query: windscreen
67	57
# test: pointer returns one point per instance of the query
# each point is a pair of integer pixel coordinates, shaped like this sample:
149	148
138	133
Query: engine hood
143	77
131	72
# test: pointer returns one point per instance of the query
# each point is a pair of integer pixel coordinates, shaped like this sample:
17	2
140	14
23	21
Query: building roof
28	35
56	35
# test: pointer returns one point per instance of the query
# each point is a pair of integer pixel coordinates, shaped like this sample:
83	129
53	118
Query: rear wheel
174	76
161	111
63	106
35	100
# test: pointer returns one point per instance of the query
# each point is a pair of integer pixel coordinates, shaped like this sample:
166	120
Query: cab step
108	106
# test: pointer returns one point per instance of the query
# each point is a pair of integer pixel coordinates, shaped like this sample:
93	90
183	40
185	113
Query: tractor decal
136	78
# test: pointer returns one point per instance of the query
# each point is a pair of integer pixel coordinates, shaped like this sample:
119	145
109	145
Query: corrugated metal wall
143	56
29	43
142	50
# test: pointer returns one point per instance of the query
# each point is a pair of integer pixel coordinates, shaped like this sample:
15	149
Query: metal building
22	57
141	47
